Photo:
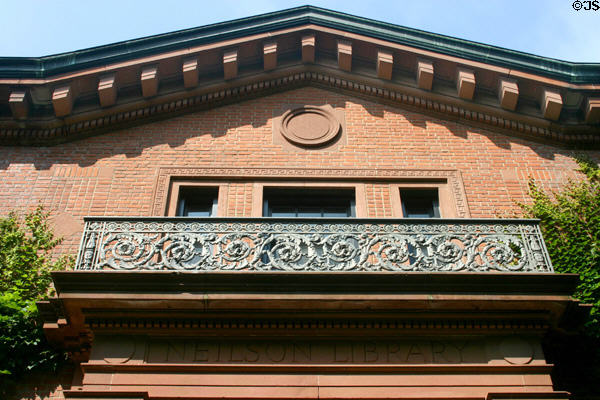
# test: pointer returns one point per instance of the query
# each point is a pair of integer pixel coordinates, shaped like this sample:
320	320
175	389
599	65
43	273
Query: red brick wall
115	173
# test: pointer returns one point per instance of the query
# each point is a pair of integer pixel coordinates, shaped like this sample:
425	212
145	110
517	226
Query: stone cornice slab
53	99
98	121
42	67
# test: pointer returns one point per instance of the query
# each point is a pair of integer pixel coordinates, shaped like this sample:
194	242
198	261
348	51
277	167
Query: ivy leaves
570	222
25	265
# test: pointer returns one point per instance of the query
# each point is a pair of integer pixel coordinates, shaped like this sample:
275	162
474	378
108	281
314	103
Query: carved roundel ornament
310	126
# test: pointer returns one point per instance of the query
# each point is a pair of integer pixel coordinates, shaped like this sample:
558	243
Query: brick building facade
298	113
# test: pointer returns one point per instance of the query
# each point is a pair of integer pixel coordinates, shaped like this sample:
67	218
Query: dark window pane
308	203
283	212
197	202
420	203
310	211
198	213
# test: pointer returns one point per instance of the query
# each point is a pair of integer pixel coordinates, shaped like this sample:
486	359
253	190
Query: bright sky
550	28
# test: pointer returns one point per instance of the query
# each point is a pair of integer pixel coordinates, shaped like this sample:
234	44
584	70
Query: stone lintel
149	78
190	72
465	83
107	90
308	48
270	55
230	64
19	106
508	93
62	100
551	104
385	64
344	55
425	74
592	110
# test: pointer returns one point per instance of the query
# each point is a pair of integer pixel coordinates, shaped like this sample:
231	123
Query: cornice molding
425	102
322	368
42	67
389	326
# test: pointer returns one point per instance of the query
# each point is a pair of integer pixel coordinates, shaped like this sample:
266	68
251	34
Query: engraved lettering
218	352
342	353
252	353
437	350
275	352
392	349
459	347
415	354
371	354
302	350
200	352
315	352
157	352
175	351
236	353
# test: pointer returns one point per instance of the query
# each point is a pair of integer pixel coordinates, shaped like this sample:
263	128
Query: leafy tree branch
25	266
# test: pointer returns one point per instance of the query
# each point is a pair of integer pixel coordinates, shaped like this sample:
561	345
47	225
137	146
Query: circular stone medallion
516	351
309	126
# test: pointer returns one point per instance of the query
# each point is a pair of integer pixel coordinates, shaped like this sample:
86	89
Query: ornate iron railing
275	244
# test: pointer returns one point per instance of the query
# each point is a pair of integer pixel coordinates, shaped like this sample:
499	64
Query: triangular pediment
63	97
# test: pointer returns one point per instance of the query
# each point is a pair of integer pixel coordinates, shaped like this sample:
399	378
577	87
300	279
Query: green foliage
25	261
570	222
23	347
25	266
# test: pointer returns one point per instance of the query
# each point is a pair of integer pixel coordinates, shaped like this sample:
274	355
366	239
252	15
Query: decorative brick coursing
117	173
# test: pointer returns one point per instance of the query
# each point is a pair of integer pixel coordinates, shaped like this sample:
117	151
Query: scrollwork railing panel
269	244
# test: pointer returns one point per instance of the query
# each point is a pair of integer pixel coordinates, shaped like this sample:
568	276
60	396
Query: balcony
313	245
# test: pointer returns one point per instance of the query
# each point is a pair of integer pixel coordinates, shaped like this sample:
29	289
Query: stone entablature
317	336
331	352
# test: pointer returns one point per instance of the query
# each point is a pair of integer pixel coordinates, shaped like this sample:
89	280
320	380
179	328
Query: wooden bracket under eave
508	94
551	104
344	55
19	106
149	81
465	83
308	48
230	64
425	74
385	64
107	90
190	73
270	55
592	110
62	100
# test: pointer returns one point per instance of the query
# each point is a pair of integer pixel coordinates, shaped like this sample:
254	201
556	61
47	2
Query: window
420	203
309	202
194	201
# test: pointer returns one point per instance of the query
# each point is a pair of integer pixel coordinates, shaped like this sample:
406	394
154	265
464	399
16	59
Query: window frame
360	204
175	193
349	196
446	201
